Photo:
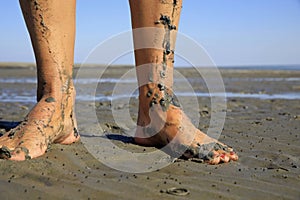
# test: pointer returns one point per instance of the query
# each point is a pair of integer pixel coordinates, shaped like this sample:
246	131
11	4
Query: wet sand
264	132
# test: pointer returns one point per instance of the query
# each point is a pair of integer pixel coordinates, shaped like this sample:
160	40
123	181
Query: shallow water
14	92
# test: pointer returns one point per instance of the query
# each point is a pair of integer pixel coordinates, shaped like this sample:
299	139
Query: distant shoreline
289	67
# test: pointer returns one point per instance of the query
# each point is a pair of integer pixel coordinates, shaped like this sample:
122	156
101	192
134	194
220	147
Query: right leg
161	118
51	25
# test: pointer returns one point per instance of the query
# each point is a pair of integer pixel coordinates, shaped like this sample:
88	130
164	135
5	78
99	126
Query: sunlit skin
51	25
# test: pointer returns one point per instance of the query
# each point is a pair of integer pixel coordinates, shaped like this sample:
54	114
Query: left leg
51	25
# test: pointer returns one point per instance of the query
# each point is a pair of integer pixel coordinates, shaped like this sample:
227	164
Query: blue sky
233	32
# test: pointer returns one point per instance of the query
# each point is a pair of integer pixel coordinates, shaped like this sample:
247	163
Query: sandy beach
262	125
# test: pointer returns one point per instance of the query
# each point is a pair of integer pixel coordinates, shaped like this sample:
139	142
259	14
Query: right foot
169	122
52	120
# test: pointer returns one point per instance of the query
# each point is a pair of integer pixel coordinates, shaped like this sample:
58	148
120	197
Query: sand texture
264	131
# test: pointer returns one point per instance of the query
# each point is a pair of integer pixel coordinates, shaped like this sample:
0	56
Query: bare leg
51	25
156	97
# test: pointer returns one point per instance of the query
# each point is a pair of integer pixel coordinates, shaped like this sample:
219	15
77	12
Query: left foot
52	120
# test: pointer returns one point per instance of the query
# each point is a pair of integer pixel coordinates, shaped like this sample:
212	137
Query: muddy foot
166	123
49	122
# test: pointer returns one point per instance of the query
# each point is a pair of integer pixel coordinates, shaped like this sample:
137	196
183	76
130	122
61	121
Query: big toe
20	154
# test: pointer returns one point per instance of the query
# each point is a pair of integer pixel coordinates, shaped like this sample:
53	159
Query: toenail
222	156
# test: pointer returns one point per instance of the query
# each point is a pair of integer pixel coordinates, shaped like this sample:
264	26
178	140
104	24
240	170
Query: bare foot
52	120
161	120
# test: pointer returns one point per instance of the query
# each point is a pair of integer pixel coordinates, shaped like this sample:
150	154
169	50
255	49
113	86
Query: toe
215	160
224	158
20	154
233	156
17	156
221	156
227	154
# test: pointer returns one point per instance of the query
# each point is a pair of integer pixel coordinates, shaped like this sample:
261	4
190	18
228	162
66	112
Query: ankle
156	94
56	89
